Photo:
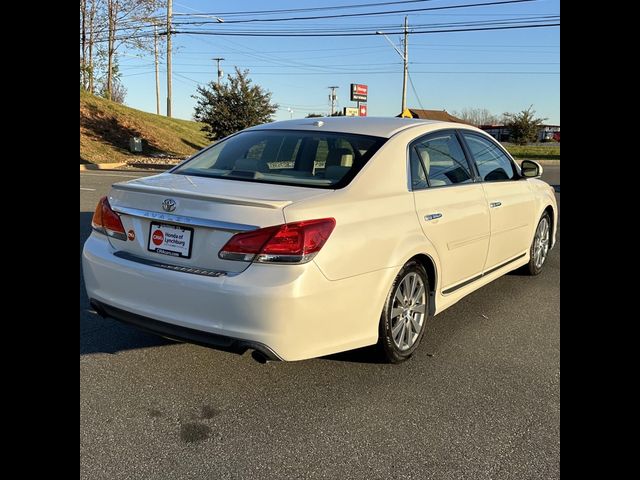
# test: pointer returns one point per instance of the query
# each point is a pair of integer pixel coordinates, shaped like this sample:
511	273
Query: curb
151	166
101	166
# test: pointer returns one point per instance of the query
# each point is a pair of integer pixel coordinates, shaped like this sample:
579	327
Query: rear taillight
107	221
296	242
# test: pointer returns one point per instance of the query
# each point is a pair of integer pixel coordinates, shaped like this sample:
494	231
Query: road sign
359	92
350	111
363	110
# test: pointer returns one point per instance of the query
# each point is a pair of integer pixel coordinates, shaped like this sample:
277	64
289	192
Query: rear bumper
290	312
176	332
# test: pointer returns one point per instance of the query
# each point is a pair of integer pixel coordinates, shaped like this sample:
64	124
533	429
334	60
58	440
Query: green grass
534	152
105	129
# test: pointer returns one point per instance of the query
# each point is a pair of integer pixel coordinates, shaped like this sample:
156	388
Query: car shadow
361	355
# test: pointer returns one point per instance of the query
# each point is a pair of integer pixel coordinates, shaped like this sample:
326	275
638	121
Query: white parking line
112	175
88	189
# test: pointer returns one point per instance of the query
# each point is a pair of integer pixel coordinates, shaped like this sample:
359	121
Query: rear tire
539	246
403	319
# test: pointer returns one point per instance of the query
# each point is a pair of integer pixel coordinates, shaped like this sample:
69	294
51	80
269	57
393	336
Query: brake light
106	221
296	242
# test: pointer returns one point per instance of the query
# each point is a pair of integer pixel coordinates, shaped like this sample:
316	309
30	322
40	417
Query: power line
377	27
361	34
345	15
309	9
415	92
381	72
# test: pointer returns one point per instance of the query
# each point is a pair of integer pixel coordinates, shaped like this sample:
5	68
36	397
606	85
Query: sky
500	70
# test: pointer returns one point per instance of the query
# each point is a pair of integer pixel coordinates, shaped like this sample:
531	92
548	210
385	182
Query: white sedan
304	238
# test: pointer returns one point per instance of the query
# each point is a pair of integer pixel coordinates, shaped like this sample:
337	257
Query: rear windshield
292	157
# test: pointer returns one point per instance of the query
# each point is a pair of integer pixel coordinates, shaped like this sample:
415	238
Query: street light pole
405	58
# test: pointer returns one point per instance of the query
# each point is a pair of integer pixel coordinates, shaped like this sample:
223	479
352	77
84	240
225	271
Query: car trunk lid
184	221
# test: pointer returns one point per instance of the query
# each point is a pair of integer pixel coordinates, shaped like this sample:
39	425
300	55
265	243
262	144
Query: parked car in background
303	238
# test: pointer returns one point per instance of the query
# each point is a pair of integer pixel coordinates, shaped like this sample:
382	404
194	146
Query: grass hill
106	127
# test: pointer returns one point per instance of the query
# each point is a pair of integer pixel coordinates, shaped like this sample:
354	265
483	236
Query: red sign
157	237
363	111
359	92
362	89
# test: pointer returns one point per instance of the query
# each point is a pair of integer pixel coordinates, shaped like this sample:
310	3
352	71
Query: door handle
495	204
432	216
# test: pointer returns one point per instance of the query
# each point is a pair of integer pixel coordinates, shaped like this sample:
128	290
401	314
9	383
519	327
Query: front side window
303	158
492	163
438	160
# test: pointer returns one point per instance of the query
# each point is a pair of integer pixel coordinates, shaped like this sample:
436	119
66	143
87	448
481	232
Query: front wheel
403	319
540	246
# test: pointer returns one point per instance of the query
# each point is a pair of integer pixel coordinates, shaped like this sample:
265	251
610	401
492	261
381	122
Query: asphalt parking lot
479	400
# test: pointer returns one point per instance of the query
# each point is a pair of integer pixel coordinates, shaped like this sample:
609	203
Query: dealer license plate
171	240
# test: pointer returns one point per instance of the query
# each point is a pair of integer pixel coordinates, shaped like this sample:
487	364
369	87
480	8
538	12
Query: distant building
547	133
441	115
499	132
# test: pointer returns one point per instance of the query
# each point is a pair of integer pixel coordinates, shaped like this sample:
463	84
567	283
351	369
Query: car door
451	207
508	196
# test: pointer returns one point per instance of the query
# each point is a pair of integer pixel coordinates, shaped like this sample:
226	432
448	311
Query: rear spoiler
251	202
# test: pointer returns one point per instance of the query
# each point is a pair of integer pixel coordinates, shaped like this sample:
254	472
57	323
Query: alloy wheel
408	311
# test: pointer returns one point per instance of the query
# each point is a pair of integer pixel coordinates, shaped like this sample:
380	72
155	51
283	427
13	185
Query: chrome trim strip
184	220
484	274
168	266
504	264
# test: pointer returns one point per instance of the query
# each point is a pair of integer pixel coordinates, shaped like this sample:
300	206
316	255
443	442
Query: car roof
375	126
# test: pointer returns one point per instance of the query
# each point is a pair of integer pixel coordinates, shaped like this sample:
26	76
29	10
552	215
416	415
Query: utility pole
405	60
155	49
218	59
333	98
405	57
169	13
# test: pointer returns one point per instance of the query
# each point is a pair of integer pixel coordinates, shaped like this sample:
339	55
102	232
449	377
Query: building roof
440	115
375	126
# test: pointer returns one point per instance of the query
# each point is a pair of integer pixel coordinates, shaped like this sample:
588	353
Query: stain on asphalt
194	432
154	412
209	412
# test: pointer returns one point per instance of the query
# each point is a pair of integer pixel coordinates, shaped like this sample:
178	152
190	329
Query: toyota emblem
168	204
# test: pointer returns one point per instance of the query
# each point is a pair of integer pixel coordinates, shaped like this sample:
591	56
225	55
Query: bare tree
137	14
118	90
477	116
95	27
83	43
107	25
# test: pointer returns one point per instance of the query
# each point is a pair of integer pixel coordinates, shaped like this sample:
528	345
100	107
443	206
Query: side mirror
531	169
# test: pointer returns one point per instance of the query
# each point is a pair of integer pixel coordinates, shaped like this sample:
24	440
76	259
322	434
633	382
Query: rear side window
492	163
438	160
304	158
